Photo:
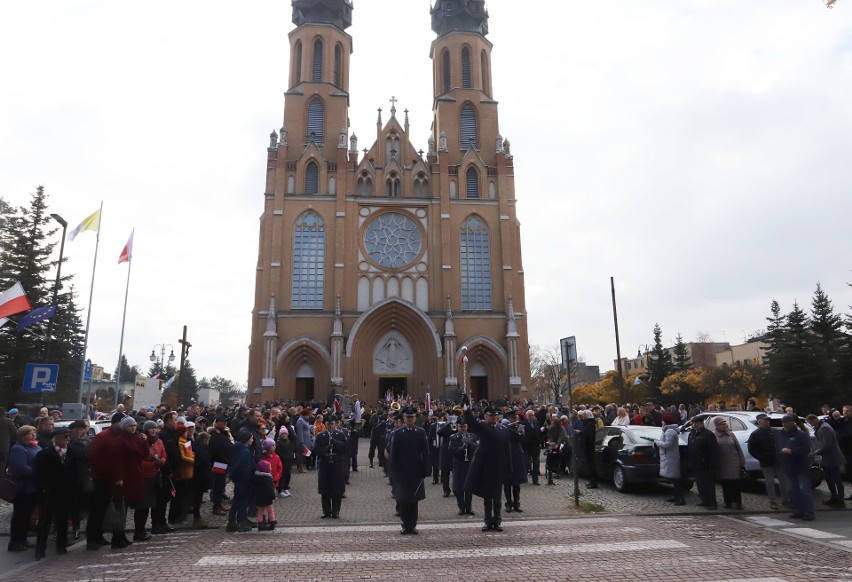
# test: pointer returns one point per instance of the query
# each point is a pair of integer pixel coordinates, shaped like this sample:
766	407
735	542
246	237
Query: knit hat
244	435
283	431
117	417
148	426
268	444
126	422
13	411
719	420
264	466
667	418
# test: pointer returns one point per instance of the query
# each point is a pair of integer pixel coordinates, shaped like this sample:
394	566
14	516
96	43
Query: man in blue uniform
410	464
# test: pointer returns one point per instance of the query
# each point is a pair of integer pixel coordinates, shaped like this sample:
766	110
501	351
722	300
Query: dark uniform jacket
445	432
492	460
461	448
409	456
518	474
332	454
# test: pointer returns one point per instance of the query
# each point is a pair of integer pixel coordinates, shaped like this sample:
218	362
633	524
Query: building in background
379	269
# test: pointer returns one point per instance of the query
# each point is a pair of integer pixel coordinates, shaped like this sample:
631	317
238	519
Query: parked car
94	426
742	424
626	456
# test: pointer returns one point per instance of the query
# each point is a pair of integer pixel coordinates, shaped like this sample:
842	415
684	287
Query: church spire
459	15
336	12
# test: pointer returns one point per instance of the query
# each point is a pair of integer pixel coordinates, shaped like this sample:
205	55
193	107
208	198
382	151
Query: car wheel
619	479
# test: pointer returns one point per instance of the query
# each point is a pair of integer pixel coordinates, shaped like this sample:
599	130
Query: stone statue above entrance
392	355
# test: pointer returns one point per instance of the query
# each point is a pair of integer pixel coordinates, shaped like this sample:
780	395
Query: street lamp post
161	361
464	370
64	224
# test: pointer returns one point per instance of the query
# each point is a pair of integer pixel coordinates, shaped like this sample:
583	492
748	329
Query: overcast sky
698	151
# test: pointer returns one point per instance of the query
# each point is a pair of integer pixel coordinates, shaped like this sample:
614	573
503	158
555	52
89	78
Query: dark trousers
590	464
534	454
445	480
801	493
371	454
513	495
436	473
492	510
706	486
731	491
56	512
239	505
834	480
677	487
353	453
464	500
286	474
197	496
140	517
217	490
22	511
408	514
331	505
97	511
176	509
164	497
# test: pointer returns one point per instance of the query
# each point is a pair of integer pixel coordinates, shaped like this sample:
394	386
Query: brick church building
380	269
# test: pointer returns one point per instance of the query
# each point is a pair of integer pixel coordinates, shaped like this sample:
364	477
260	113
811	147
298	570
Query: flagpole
123	319
89	310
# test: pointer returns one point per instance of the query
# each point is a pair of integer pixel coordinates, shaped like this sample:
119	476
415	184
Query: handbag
9	489
115	517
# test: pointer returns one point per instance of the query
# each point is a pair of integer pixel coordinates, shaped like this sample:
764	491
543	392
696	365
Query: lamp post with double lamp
160	363
64	224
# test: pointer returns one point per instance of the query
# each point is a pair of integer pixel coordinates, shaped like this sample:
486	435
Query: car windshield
647	434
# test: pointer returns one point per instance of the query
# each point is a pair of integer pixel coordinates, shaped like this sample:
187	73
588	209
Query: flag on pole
91	222
3	321
35	316
127	254
429	405
337	408
170	381
14	300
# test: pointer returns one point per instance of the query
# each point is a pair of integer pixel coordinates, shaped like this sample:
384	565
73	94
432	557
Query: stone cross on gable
393	101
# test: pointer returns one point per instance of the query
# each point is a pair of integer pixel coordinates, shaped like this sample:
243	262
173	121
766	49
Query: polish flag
220	468
127	253
13	300
306	453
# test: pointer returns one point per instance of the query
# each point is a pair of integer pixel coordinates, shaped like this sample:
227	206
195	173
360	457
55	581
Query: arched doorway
478	382
303	371
305	383
487	369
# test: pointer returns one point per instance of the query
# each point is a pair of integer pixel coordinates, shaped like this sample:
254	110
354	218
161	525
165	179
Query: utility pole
184	352
621	391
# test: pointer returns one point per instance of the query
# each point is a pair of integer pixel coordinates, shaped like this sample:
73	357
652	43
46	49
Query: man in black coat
701	451
55	472
332	455
585	443
532	444
431	428
221	449
761	446
518	473
445	459
461	448
490	464
168	471
410	464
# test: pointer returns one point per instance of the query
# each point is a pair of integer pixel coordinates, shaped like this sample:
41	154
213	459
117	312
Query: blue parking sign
87	371
41	377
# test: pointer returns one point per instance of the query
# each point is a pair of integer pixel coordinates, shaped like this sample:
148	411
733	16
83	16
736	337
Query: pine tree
25	256
67	347
681	360
128	372
187	384
659	363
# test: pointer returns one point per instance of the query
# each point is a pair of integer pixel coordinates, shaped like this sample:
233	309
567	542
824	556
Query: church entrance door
304	389
397	385
478	388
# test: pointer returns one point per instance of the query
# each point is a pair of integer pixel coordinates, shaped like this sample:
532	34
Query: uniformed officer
491	463
409	462
445	459
518	475
462	446
332	455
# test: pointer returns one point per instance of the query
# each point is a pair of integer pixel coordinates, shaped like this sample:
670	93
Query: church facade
391	269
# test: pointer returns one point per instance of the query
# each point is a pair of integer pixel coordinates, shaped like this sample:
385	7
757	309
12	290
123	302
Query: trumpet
395	406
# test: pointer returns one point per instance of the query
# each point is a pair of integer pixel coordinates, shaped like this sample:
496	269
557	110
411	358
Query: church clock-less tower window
318	60
475	264
308	262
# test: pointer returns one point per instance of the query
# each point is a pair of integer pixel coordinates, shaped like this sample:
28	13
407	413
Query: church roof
459	15
336	12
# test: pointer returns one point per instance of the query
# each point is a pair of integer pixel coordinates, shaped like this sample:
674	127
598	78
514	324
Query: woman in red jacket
151	479
133	451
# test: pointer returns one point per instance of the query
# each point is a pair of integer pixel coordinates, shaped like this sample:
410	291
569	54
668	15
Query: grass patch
588	507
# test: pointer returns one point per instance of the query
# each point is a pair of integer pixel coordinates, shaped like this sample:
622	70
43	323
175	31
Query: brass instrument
395	406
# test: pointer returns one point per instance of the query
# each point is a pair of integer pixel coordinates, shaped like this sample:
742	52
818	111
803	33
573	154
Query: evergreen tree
681	360
67	347
825	324
659	363
25	256
187	384
128	372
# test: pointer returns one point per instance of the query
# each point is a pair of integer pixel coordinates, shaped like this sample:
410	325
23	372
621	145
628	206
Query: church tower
393	271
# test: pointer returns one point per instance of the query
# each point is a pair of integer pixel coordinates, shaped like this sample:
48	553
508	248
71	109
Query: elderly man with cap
108	478
491	463
794	448
221	447
701	452
761	446
55	473
410	463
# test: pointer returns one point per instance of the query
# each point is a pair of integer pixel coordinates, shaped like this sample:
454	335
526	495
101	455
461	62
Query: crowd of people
159	463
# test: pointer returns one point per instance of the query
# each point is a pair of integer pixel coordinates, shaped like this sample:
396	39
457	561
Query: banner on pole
569	350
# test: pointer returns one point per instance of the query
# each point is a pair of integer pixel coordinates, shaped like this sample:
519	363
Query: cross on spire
393	101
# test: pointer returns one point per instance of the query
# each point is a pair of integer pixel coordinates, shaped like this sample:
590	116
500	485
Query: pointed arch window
469	127
308	262
317	60
475	264
392	189
338	65
316	121
297	64
466	68
365	185
445	66
421	186
392	148
485	78
311	178
471	181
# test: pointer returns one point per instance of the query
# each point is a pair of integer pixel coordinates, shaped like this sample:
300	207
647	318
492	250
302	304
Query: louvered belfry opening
311	178
317	60
469	133
316	121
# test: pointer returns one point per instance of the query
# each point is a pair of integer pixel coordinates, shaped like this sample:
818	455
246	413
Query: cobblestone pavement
639	534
